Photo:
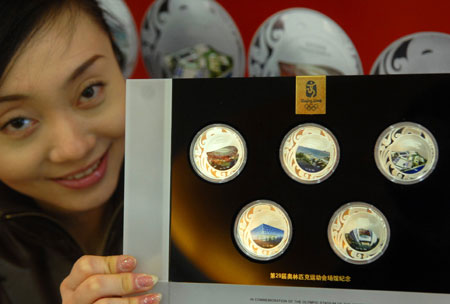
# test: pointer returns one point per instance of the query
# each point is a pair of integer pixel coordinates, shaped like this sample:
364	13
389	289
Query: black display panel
262	110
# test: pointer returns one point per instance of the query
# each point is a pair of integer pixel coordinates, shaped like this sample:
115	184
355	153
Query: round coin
406	153
263	230
358	233
309	153
218	153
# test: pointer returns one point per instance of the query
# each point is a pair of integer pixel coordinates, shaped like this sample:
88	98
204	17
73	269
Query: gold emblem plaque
311	95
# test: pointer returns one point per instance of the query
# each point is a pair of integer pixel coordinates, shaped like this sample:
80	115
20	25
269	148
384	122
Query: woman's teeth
84	173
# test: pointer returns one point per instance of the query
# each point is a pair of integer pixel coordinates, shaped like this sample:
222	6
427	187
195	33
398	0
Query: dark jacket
36	253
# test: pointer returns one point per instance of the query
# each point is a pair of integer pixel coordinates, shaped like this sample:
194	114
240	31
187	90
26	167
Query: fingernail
126	263
143	281
151	299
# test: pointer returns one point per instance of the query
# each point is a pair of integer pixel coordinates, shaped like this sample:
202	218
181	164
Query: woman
61	153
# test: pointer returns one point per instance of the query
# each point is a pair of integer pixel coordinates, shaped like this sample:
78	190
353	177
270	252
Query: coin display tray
262	110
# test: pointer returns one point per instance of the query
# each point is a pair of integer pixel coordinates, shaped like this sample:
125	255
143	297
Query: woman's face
62	118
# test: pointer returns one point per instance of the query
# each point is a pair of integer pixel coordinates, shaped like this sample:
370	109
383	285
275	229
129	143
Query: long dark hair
22	19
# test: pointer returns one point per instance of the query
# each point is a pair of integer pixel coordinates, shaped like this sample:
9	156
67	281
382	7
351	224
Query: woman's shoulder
37	252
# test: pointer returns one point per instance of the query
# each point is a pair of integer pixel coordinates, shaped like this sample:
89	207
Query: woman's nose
71	141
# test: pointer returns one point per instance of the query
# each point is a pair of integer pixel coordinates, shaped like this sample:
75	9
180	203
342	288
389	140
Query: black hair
22	19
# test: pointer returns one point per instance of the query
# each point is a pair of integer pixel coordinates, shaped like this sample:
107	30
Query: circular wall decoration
422	52
301	41
191	39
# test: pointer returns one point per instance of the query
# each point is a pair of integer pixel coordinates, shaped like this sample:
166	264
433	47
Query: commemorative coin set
405	153
357	191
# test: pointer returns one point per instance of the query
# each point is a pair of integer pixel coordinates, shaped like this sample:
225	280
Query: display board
199	254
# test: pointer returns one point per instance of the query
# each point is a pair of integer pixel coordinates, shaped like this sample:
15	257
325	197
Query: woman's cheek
112	120
115	107
20	165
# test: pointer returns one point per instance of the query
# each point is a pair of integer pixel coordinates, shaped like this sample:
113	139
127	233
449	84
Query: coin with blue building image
263	230
267	236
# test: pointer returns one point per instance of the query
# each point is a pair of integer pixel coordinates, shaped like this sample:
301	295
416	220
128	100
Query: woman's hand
104	280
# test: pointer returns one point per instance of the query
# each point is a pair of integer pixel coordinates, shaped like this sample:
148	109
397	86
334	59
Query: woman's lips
86	178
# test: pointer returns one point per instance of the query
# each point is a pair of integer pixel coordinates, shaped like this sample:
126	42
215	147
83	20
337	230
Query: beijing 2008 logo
311	89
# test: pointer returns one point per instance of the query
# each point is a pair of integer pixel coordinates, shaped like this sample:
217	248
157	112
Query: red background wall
371	24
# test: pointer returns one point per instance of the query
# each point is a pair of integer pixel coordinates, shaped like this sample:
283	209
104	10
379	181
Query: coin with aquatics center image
406	153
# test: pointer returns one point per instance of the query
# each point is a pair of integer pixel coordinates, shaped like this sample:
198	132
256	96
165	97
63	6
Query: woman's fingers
103	280
89	265
146	299
100	286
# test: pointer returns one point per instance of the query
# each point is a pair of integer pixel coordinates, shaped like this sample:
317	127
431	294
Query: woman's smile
87	176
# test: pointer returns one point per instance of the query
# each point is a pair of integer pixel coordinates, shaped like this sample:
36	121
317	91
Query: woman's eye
92	93
18	126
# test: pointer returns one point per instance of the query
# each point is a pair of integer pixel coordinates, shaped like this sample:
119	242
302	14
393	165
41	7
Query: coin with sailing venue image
309	153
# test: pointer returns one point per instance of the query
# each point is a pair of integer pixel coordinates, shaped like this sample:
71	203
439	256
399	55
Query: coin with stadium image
218	153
